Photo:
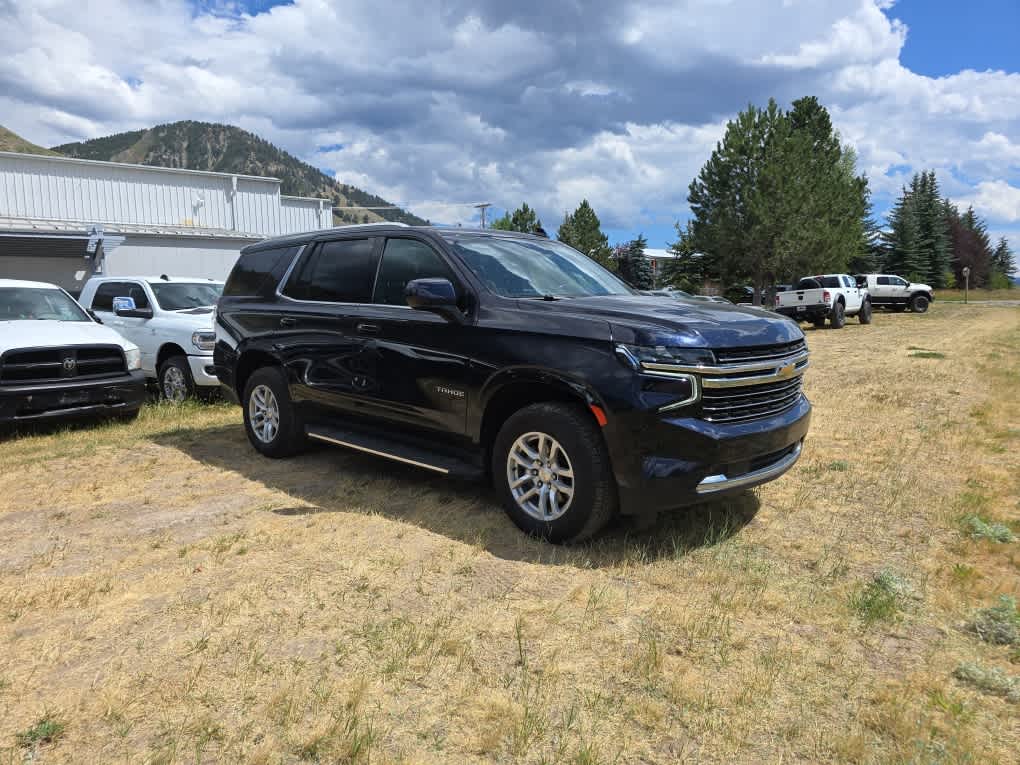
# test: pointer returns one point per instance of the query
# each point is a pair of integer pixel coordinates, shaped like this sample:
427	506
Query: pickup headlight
204	341
670	374
133	358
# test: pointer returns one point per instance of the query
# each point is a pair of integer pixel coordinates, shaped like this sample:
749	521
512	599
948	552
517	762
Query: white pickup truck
170	319
830	296
889	291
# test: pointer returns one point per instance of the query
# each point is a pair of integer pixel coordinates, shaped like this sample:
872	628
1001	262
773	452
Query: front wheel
270	421
838	316
551	468
175	381
864	315
919	304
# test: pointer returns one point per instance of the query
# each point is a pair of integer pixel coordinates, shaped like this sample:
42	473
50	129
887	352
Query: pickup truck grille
749	402
28	366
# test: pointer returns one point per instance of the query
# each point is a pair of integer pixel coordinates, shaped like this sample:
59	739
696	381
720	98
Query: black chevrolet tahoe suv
512	357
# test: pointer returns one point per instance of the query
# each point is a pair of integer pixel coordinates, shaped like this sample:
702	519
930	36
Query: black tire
837	317
289	436
919	303
864	315
594	500
819	322
174	379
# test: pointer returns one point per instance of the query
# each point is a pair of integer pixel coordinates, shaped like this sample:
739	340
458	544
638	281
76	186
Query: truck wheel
864	315
270	421
551	468
819	322
918	304
838	316
175	381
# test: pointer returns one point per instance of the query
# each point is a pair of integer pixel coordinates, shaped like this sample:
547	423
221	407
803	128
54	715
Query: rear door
317	336
421	378
853	294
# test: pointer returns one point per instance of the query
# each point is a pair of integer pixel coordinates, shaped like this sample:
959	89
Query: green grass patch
839	466
47	730
981	528
998	624
993	680
927	355
882	599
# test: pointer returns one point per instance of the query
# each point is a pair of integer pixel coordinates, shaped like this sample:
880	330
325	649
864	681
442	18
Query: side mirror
435	295
125	306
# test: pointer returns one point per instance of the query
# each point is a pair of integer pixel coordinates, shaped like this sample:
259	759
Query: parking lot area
177	598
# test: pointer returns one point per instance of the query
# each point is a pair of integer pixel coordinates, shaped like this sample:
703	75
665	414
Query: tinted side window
256	274
336	272
883	280
107	291
402	261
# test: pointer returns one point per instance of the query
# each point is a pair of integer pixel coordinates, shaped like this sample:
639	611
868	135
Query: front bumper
203	372
668	463
106	397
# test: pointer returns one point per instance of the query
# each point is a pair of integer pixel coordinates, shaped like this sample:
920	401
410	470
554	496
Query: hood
47	334
645	320
922	287
193	319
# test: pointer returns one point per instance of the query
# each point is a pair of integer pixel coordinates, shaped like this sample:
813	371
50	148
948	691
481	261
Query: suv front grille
749	402
776	353
42	365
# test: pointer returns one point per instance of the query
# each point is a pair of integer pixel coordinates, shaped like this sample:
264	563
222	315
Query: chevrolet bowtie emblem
788	370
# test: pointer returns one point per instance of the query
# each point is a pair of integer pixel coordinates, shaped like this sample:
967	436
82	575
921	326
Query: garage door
57	259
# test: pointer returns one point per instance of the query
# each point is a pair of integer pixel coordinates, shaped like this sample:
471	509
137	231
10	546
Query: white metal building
64	219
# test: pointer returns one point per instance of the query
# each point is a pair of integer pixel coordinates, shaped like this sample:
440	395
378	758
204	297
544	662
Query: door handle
288	321
368	329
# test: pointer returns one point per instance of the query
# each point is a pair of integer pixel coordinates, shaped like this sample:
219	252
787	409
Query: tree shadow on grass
334	480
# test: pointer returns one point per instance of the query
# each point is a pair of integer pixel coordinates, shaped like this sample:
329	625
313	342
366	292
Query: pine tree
902	241
1004	262
933	233
632	264
981	257
582	230
688	269
523	219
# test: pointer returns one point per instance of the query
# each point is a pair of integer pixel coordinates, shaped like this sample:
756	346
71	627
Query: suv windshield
19	303
180	296
529	268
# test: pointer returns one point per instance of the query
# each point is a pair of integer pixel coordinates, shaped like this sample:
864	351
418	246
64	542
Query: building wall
59	189
174	256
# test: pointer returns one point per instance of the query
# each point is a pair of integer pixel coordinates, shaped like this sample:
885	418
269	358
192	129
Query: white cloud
997	200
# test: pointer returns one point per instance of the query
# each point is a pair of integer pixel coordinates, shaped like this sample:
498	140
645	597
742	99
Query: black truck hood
645	320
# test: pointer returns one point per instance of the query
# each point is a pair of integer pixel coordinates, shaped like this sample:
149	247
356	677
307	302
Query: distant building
63	219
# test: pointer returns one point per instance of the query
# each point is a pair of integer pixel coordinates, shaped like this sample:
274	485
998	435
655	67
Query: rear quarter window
257	273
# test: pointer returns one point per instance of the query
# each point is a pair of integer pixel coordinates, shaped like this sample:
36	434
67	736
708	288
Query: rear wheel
919	303
864	315
551	468
837	318
270	421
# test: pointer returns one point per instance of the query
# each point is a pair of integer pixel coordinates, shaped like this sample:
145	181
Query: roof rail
376	223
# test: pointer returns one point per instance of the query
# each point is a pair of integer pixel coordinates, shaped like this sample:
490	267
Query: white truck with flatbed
895	292
828	296
171	321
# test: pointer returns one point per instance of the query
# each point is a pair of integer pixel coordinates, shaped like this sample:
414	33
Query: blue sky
439	105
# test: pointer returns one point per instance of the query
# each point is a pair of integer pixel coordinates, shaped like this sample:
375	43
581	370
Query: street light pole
966	283
482	208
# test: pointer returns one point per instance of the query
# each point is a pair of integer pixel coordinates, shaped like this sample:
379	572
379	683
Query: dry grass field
978	295
167	596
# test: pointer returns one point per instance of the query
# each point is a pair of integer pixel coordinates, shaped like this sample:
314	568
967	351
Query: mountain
228	149
13	142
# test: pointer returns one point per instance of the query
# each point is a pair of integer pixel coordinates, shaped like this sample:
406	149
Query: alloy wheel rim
540	476
175	387
264	414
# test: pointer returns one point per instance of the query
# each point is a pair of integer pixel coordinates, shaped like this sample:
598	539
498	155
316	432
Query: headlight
204	341
669	375
133	358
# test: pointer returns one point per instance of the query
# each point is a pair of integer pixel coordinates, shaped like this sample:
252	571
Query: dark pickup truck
484	354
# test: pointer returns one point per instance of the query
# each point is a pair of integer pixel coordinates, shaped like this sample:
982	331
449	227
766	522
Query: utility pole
966	282
482	208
